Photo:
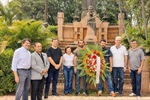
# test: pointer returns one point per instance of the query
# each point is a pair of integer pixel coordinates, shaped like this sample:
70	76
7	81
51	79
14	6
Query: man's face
26	45
117	41
103	44
55	43
81	44
134	44
38	47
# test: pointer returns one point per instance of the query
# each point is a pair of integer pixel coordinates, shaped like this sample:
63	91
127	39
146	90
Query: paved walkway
80	98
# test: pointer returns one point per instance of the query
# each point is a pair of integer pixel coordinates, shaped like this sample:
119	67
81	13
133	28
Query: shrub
7	83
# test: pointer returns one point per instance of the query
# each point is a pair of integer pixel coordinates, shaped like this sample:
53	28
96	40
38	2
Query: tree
109	8
10	11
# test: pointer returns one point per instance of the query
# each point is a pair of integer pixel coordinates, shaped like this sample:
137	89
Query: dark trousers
37	89
136	82
52	76
118	72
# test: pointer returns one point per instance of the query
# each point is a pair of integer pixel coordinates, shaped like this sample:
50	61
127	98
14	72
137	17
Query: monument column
121	23
60	16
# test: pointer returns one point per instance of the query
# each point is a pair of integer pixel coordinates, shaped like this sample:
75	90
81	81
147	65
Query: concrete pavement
81	98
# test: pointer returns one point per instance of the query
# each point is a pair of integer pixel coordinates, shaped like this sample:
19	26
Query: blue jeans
109	82
136	82
78	82
52	76
68	75
118	72
24	84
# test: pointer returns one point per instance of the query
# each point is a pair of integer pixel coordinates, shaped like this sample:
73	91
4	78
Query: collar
24	49
119	46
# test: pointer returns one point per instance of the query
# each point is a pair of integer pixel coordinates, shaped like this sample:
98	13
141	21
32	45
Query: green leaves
88	71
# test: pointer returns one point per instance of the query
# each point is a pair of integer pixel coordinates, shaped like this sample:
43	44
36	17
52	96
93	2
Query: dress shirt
68	60
21	59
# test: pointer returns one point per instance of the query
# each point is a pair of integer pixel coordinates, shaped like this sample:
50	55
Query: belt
23	69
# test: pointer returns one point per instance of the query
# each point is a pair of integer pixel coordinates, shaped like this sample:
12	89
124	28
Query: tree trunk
120	9
144	19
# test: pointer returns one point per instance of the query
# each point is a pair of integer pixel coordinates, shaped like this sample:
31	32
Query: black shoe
55	94
65	93
70	92
120	94
76	93
86	93
45	96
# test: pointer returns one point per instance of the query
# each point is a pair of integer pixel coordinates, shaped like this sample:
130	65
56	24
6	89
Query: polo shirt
118	55
135	58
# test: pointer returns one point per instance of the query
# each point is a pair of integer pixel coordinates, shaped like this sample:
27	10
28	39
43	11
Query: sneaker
132	94
86	93
116	92
99	93
113	94
138	98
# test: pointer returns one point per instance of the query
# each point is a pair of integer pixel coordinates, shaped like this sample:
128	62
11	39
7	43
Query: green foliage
10	40
7	83
53	29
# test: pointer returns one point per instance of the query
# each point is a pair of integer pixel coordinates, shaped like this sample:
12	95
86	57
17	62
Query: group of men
37	67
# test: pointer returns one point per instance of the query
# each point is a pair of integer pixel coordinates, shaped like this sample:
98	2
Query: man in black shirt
54	54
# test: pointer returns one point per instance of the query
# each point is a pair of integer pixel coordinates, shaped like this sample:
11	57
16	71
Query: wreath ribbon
98	69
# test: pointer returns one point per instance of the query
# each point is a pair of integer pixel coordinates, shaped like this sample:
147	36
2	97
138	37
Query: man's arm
14	66
141	66
60	62
75	64
125	62
111	63
52	61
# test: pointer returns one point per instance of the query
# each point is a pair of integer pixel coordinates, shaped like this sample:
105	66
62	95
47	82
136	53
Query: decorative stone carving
85	5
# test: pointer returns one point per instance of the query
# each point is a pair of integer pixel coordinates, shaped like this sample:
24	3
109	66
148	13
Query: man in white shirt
119	64
21	68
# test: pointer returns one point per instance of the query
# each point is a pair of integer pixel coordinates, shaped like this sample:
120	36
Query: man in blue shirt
108	59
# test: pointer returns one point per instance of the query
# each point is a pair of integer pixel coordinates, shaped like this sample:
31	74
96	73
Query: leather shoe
56	94
45	96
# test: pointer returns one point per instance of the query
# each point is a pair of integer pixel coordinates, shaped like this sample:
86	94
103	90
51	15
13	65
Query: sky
4	2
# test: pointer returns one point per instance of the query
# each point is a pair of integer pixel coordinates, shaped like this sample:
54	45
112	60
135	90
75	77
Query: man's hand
57	66
124	69
75	70
139	70
110	69
16	79
44	72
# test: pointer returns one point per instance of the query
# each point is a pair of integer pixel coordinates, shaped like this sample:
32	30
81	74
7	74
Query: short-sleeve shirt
107	55
78	55
118	55
55	54
135	58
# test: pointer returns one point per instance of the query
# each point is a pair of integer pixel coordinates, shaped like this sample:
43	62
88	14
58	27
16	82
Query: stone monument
91	26
85	5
